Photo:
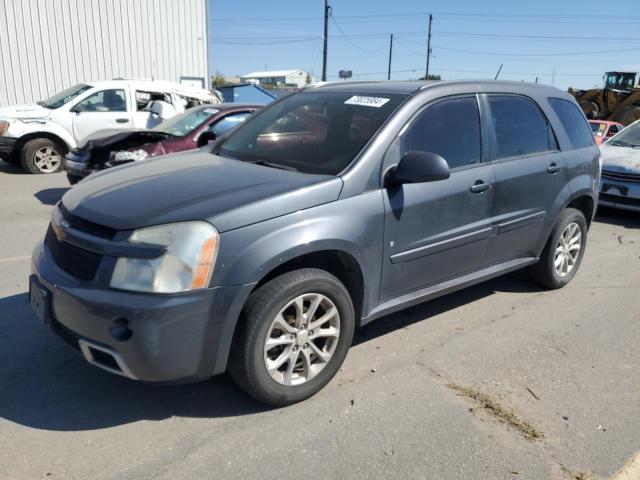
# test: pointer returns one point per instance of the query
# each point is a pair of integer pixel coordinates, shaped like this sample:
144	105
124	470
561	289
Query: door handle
553	168
479	187
122	120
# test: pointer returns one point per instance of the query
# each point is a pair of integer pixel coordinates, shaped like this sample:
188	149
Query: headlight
187	264
4	126
126	155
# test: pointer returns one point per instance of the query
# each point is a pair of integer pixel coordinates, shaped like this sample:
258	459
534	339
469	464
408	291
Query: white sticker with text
375	102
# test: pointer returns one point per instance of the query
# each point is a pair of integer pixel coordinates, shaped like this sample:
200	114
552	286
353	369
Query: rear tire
41	155
308	353
563	252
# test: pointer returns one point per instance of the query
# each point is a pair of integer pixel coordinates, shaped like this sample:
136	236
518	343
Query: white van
39	135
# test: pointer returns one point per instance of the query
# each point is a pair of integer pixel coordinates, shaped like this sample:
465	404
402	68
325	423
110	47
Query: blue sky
578	39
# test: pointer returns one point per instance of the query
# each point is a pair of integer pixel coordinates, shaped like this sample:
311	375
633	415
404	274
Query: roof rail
133	78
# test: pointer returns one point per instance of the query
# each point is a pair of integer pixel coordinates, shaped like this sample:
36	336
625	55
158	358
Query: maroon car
192	129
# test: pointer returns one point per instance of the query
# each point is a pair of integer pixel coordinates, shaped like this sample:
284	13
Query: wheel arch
22	141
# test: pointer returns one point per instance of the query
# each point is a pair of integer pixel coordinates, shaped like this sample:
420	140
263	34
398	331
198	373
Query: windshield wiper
275	165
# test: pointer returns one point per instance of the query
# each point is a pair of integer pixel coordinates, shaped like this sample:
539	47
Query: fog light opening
120	330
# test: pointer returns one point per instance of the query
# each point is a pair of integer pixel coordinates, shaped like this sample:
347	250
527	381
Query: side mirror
76	108
418	167
206	137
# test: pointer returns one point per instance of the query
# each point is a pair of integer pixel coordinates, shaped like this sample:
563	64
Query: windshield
186	122
312	132
59	99
630	136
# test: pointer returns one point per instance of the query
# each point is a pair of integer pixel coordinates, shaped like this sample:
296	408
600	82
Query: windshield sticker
211	110
375	102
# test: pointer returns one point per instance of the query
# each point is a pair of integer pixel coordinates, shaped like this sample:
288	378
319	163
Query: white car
39	135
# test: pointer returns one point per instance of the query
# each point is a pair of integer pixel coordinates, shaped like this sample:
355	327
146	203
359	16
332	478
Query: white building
47	46
279	78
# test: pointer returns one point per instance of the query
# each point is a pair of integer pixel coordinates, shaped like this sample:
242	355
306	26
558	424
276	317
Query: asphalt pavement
450	389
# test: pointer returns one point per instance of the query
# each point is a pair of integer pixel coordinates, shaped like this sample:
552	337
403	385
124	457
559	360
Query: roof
272	73
155	86
410	87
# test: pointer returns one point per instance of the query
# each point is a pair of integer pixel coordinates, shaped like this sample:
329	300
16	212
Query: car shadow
516	282
50	196
45	385
11	169
621	218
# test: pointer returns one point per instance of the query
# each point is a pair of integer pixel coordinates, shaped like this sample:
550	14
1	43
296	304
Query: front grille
86	226
633	202
621	176
69	336
74	260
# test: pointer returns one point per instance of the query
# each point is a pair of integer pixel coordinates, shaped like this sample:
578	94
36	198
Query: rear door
103	110
439	230
530	174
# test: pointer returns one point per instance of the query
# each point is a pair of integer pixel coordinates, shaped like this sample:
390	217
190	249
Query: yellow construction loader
618	101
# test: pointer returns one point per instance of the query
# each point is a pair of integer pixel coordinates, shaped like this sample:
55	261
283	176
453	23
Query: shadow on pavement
50	196
622	218
11	169
516	282
46	385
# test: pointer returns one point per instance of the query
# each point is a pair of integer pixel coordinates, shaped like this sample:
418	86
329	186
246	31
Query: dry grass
492	406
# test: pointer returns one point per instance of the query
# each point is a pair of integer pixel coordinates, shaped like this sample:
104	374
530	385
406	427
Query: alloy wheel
302	339
568	249
46	159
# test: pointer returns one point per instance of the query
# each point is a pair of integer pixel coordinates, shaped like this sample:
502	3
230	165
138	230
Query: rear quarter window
573	121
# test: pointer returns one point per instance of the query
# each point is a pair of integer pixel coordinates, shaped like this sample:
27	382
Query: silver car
620	158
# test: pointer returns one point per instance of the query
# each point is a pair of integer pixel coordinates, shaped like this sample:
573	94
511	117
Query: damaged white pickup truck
38	136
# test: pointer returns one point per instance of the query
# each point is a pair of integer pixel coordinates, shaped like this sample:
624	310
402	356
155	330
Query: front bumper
174	338
617	193
76	166
7	144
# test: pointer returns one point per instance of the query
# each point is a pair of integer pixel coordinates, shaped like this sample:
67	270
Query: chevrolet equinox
262	252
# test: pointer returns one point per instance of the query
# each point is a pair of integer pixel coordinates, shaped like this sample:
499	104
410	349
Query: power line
553	54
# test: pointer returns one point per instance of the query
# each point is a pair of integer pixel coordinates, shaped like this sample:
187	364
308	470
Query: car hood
620	159
196	185
24	111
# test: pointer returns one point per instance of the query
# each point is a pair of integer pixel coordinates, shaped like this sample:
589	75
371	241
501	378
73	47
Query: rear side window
450	128
520	127
573	121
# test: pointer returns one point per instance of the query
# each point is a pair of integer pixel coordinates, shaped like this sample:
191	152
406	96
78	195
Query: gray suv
333	207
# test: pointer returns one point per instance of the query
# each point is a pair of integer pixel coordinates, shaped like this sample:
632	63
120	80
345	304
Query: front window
186	122
629	137
59	99
312	132
104	101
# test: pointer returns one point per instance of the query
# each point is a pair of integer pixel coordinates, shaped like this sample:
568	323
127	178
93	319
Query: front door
103	110
438	230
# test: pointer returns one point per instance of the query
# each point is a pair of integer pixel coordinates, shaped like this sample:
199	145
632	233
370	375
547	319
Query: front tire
41	155
563	252
295	334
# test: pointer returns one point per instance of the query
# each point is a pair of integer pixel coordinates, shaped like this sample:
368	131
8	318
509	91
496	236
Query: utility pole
327	9
426	75
390	52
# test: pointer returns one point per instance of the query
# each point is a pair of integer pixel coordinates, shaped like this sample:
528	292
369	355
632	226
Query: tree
218	80
307	79
432	77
